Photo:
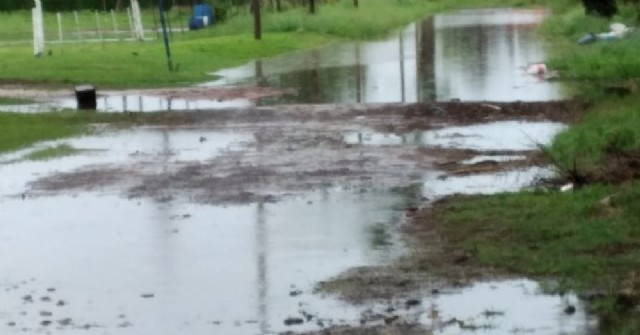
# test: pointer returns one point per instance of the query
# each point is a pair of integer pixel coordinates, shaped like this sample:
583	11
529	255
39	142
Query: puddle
97	262
506	135
132	103
510	307
437	185
469	55
149	149
499	159
135	267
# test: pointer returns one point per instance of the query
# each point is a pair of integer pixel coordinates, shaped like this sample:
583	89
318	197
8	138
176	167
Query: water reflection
503	135
468	55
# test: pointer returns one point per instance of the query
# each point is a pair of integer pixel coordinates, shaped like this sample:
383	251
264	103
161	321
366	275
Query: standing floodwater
467	55
470	55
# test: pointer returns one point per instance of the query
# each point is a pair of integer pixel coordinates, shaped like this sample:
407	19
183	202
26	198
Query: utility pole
165	35
257	24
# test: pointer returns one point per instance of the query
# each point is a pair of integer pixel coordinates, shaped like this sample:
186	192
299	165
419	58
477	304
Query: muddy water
133	266
97	262
469	55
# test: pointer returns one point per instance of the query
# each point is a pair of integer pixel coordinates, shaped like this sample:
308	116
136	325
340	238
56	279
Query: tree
605	8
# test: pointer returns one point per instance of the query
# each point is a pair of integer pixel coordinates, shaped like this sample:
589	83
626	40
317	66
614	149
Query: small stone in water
293	321
569	310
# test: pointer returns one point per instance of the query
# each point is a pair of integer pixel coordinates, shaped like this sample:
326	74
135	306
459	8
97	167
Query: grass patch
22	130
14	101
603	60
144	64
567	236
18	131
52	152
584	240
611	128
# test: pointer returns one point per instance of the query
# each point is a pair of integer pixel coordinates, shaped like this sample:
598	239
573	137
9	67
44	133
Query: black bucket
86	97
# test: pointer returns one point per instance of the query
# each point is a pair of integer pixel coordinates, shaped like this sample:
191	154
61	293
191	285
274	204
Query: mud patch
286	151
375	330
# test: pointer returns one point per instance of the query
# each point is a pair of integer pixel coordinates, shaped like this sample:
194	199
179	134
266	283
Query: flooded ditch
227	221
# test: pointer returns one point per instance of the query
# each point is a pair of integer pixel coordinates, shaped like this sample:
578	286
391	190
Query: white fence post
98	26
38	29
115	24
137	20
60	34
75	13
133	31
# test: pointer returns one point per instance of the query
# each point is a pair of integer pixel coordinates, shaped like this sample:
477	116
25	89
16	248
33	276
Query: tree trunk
312	6
355	3
604	8
257	24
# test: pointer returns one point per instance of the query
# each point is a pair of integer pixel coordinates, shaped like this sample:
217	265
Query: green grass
144	64
14	101
52	152
611	127
19	131
567	236
571	238
601	61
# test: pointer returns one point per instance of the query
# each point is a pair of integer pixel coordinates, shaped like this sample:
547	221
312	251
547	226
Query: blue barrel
203	10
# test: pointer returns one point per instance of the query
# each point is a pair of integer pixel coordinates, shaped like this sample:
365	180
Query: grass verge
18	131
605	146
52	152
22	130
14	101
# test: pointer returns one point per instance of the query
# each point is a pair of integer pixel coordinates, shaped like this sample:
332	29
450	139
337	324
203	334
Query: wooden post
60	36
257	24
165	35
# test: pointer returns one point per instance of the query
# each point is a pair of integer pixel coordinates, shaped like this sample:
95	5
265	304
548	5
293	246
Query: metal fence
88	26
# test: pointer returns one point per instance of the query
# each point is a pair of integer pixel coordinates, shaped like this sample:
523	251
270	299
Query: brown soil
404	329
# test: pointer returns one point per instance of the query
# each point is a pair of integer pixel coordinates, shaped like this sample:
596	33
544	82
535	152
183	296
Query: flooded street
226	221
475	55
